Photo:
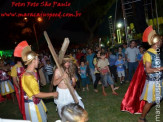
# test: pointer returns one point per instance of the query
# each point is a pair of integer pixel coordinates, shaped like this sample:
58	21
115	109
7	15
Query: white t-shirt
103	63
132	53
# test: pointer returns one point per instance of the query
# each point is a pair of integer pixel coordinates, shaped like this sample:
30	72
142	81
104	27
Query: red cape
131	101
22	99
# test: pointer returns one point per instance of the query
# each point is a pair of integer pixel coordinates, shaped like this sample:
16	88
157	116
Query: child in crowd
140	54
105	74
120	52
97	73
74	113
120	68
49	69
84	76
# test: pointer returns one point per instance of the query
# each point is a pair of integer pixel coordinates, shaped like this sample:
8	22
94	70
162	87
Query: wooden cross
58	61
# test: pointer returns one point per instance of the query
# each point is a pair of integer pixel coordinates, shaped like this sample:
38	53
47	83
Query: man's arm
15	82
73	81
108	69
87	61
126	55
149	69
45	95
57	78
137	52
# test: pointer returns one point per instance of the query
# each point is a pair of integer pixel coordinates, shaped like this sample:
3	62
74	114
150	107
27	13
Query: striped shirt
49	69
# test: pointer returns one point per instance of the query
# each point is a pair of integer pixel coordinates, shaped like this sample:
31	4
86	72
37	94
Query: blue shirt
83	72
89	58
112	59
119	68
123	55
139	56
123	50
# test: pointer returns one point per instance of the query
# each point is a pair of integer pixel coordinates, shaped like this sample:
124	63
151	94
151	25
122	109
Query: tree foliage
94	14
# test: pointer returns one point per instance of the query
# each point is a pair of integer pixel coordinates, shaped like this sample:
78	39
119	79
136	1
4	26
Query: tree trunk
90	39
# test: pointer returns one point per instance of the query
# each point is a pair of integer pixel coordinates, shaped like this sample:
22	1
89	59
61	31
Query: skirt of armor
36	112
6	87
150	91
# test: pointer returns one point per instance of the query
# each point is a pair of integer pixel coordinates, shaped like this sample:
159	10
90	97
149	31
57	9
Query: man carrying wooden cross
64	77
64	96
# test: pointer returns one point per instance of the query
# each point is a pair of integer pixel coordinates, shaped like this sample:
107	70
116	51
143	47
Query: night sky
15	29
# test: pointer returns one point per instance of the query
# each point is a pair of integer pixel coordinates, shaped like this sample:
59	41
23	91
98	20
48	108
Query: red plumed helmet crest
19	48
146	33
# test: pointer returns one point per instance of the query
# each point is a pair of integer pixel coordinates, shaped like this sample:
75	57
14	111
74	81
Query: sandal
104	93
95	90
114	93
87	89
142	120
116	88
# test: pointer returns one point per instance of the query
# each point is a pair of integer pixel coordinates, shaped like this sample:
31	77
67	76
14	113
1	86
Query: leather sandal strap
144	119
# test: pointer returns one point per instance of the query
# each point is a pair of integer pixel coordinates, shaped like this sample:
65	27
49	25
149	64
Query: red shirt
78	56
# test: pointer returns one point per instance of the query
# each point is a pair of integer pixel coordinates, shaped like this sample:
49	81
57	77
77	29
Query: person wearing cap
64	96
35	109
